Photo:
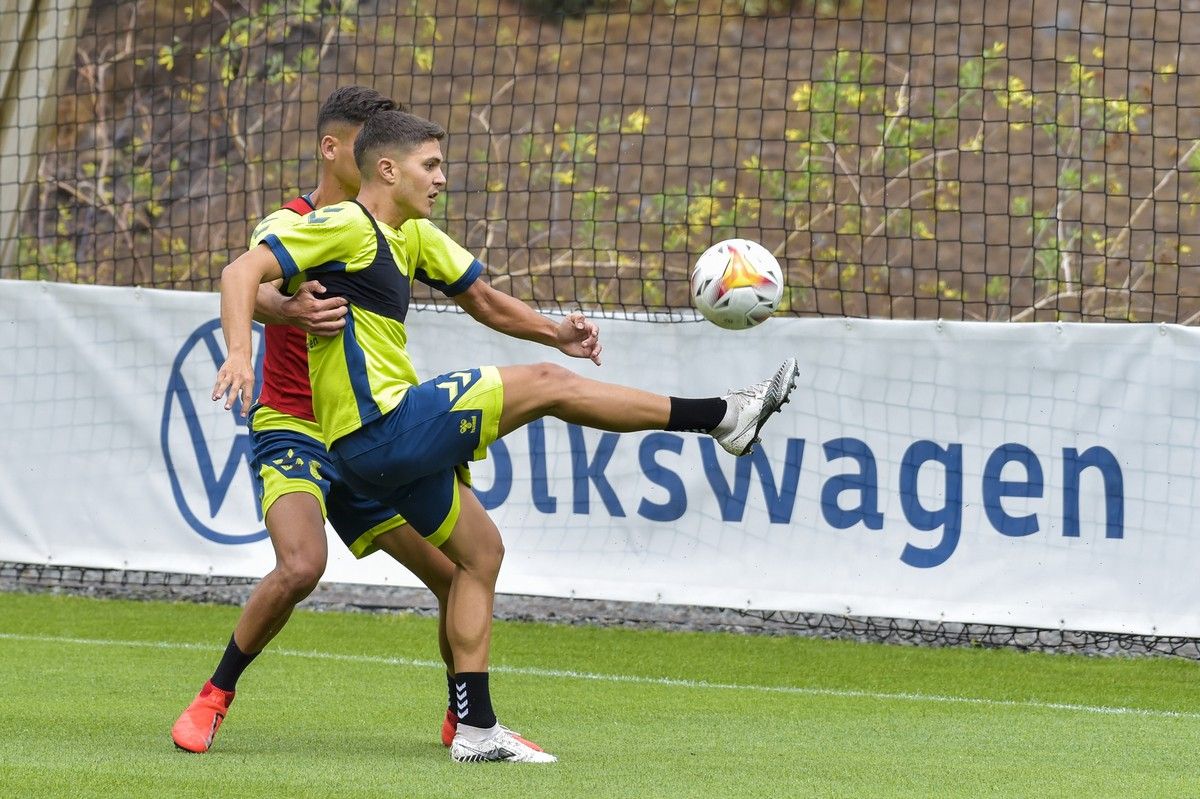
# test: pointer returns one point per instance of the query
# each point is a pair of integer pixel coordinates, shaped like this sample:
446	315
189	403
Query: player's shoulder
421	227
421	233
345	213
339	219
277	220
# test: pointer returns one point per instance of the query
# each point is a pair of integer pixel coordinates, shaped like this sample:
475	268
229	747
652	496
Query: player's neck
380	206
329	191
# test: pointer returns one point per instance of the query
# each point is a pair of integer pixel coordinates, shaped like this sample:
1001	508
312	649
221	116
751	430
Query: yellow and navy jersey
362	373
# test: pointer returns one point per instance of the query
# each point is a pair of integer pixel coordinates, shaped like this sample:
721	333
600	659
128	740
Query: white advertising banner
1034	475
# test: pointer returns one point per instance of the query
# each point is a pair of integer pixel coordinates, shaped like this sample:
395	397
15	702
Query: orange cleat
195	729
449	727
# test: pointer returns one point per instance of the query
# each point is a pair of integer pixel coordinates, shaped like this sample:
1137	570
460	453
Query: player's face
419	180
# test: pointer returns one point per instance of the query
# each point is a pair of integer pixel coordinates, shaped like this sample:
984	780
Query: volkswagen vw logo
207	448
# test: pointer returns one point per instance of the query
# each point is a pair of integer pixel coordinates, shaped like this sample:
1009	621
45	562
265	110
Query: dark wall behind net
1025	160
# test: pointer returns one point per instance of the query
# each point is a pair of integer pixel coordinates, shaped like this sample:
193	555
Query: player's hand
312	314
579	337
235	377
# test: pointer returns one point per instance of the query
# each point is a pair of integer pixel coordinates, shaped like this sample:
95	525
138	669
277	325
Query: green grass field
350	705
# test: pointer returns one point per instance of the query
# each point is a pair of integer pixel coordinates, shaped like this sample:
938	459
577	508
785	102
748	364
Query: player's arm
240	282
304	309
442	263
575	335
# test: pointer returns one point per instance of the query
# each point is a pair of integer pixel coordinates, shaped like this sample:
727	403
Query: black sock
450	691
695	415
232	664
472	701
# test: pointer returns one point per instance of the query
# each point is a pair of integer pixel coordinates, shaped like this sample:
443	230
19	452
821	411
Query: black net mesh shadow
144	585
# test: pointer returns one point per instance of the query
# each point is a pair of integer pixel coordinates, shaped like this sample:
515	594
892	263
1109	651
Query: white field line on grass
671	682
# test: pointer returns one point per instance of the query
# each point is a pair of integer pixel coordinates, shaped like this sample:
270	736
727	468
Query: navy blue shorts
412	458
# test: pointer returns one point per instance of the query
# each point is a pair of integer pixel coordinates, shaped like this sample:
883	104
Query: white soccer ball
736	284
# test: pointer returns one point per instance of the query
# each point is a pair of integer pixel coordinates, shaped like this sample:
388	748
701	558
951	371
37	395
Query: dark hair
352	105
397	130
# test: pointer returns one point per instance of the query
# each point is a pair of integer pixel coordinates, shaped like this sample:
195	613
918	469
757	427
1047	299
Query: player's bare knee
440	589
485	555
554	382
300	575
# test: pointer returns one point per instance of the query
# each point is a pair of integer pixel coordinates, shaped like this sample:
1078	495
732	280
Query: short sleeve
438	260
282	218
325	240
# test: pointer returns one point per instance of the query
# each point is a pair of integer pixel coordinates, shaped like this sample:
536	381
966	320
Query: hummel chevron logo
460	691
459	382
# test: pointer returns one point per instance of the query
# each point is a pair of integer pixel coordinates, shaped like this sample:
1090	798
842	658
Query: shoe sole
497	757
778	395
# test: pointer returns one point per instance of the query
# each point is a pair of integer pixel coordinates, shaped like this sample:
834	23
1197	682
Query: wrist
282	311
560	333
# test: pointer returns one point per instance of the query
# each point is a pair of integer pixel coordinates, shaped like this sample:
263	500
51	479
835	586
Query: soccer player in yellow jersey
298	486
399	440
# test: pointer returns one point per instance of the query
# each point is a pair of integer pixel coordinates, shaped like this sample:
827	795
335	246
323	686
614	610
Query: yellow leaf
635	122
802	97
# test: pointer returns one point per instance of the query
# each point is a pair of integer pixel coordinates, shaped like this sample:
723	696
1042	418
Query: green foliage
870	172
110	220
823	188
253	46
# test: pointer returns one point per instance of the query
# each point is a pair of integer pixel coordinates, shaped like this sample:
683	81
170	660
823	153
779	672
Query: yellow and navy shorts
288	461
413	457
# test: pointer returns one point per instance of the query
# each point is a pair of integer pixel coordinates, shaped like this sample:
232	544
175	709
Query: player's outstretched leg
752	406
197	726
734	420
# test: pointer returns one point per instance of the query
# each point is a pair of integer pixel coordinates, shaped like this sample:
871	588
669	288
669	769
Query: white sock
477	734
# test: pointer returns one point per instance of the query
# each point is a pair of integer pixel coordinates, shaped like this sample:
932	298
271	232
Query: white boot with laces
750	407
498	744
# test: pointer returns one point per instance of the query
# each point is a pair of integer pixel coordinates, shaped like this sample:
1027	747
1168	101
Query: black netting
1027	160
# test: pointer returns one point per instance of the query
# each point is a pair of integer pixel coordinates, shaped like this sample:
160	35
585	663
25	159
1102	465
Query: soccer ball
736	284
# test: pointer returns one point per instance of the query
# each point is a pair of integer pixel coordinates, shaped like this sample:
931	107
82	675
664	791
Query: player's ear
387	169
329	145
